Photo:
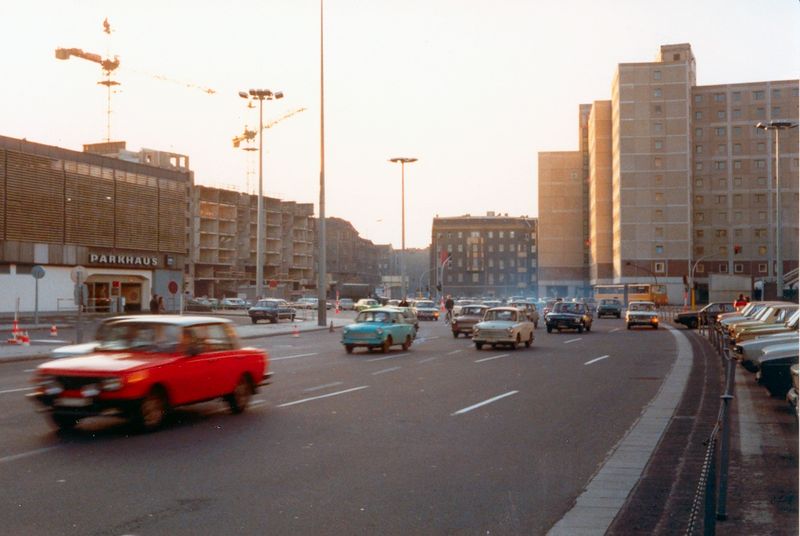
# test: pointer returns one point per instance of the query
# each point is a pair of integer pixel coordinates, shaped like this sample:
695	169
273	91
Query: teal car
378	328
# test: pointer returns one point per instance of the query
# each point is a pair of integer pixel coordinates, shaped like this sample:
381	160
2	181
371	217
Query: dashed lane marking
386	357
597	359
428	359
490	358
17	390
485	402
384	371
573	340
337	393
455	352
15	457
319	387
292	356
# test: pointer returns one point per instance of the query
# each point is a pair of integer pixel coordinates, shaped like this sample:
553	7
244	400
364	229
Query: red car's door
193	374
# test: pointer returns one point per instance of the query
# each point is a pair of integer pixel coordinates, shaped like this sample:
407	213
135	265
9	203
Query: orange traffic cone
15	333
26	341
53	331
296	331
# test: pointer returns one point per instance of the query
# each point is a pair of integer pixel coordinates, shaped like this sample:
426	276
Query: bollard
709	519
330	329
722	498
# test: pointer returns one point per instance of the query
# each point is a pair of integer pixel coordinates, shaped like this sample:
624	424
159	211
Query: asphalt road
442	439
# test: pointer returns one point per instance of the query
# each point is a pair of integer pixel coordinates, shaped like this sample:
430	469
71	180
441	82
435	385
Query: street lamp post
260	95
403	161
777	126
322	260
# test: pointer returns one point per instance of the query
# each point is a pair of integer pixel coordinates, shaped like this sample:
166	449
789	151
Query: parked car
747	352
530	310
145	365
233	303
773	367
641	313
465	321
707	315
271	310
366	303
378	328
761	332
197	305
346	304
773	315
503	325
609	307
569	315
749	311
426	310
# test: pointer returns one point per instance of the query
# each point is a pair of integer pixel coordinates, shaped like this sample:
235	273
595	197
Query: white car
642	313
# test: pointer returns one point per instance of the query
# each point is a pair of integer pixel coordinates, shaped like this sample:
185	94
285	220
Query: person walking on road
448	305
161	308
154	304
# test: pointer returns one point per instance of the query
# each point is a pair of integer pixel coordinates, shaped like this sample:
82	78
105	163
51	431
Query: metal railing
712	487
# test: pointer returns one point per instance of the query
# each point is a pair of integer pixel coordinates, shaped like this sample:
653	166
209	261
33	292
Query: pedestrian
161	308
448	304
154	304
740	302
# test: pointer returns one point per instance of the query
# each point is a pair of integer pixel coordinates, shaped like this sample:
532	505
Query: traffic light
737	249
450	261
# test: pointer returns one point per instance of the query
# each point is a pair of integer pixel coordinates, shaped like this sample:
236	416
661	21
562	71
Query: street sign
172	287
37	272
78	273
273	283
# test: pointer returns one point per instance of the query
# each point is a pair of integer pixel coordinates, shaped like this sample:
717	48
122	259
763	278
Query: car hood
563	315
463	318
779	351
73	350
642	313
366	327
105	362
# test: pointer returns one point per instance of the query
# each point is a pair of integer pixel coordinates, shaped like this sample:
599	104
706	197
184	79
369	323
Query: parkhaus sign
126	260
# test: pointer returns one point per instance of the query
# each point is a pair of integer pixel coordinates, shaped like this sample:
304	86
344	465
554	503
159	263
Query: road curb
607	492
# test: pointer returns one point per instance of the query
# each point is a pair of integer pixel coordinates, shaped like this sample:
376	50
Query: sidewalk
763	473
42	343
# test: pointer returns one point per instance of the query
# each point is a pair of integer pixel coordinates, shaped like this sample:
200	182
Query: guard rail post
730	378
709	519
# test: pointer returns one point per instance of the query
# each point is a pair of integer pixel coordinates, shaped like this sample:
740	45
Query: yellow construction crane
250	135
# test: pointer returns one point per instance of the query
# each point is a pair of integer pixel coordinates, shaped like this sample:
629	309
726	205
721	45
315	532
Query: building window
490	234
738	268
659	197
737	148
491	248
659	232
699	216
657	109
659	213
762	268
657	162
491	263
762	250
657	92
699	250
657	144
737	132
698	116
501	234
722	183
722	199
776	112
701	268
737	95
720	164
762	216
721	114
460	278
449	247
760	199
737	113
501	248
761	112
737	164
738	232
501	264
659	178
698	99
698	133
475	278
698	149
656	75
723	268
659	249
737	181
698	166
719	97
460	234
699	200
761	147
533	249
723	216
461	248
699	233
761	164
719	131
658	127
658	267
737	216
758	95
698	182
761	181
721	233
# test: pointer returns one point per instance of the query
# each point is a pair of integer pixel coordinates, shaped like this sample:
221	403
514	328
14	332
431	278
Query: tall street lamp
260	95
777	126
322	268
403	161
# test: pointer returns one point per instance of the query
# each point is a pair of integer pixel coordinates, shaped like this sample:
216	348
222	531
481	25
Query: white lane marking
49	341
318	387
15	457
455	351
615	329
479	404
428	359
287	404
572	340
596	359
384	371
17	390
387	357
29	370
291	357
490	358
257	402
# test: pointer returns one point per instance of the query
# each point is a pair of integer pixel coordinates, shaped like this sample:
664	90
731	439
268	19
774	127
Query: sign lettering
128	260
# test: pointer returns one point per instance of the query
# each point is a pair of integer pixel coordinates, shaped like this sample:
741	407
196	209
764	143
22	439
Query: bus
636	292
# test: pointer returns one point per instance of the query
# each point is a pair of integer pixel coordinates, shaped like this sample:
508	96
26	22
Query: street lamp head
402	160
777	125
243	94
278	94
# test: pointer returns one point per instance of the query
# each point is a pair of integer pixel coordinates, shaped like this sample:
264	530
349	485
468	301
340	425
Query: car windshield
472	310
609	302
642	307
271	304
501	314
568	307
423	303
374	316
139	336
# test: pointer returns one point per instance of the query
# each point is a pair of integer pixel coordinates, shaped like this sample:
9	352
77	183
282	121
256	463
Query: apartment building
679	181
224	234
494	255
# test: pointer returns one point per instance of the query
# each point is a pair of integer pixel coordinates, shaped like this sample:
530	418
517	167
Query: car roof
174	320
641	303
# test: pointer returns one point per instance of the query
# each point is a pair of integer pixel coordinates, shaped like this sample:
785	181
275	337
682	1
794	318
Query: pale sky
474	89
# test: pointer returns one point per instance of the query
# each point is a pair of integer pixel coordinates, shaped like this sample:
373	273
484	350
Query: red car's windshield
139	336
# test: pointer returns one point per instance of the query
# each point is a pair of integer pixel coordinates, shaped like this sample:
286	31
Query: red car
145	365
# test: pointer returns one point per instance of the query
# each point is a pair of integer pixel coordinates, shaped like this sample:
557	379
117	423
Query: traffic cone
14	333
53	331
296	331
26	341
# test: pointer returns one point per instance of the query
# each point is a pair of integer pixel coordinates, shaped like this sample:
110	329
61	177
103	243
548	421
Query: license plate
73	402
